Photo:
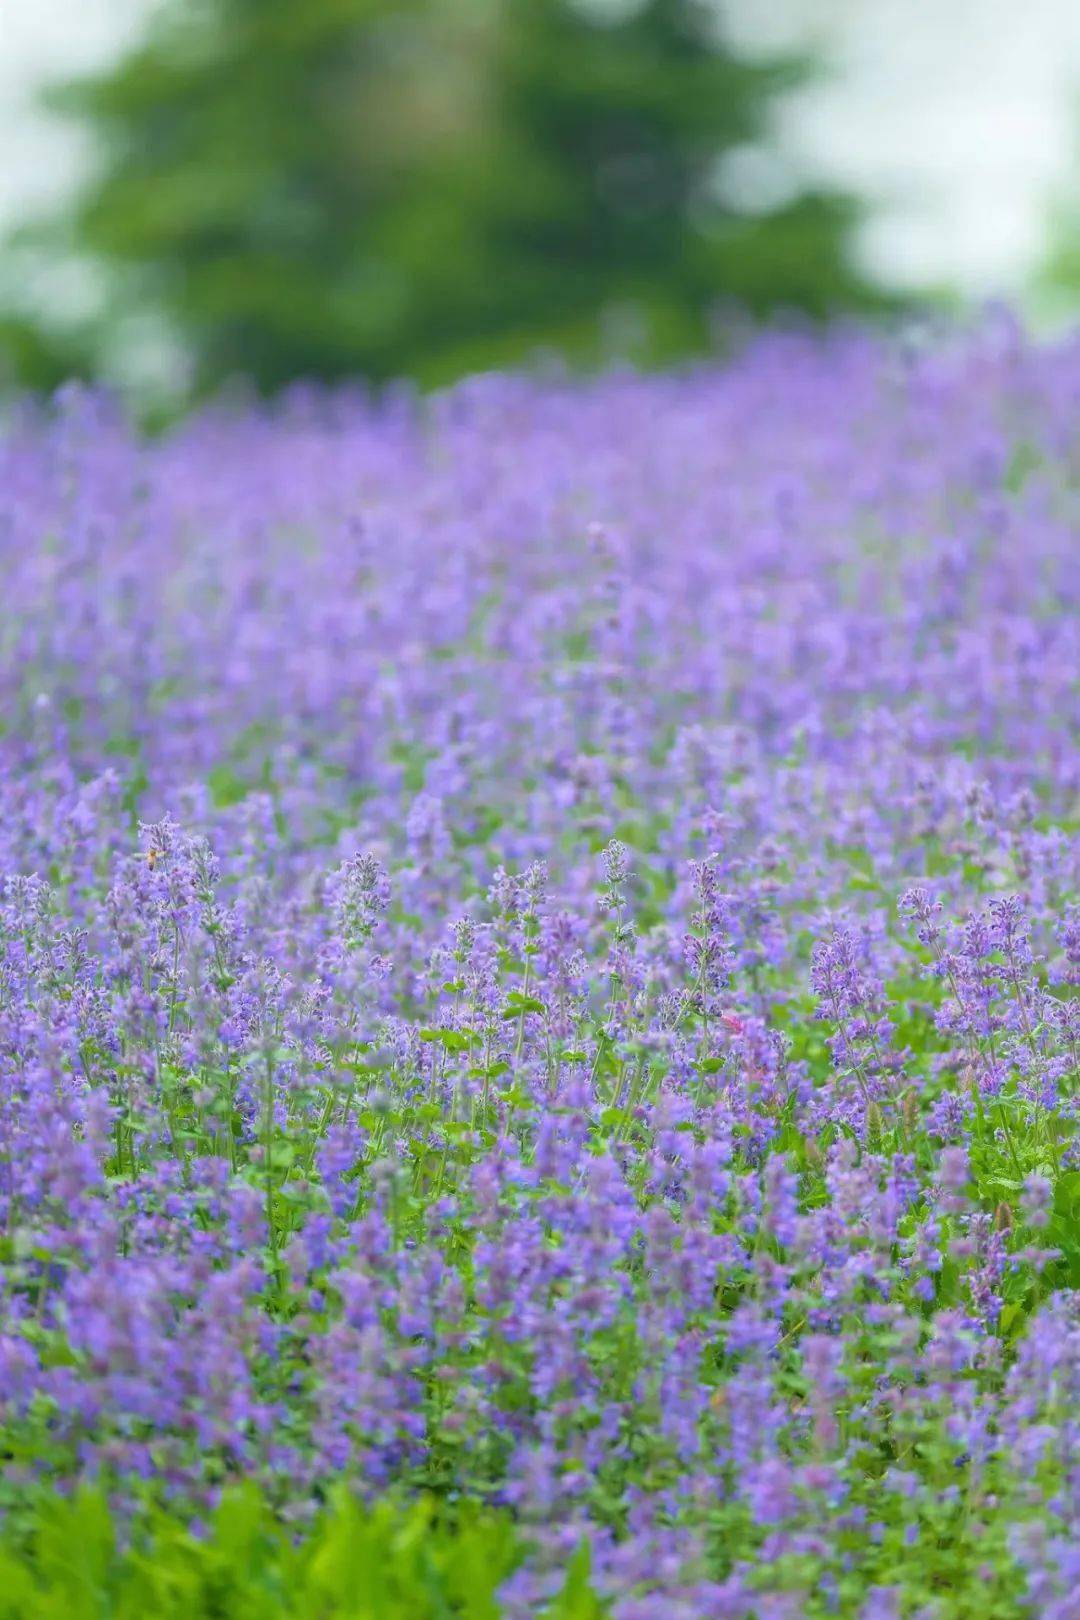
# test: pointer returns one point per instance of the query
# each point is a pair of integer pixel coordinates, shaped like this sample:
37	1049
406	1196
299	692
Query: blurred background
198	191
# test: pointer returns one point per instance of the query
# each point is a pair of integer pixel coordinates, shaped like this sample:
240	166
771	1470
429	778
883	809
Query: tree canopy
423	187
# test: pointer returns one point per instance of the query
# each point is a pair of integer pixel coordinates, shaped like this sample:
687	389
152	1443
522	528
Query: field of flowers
539	1013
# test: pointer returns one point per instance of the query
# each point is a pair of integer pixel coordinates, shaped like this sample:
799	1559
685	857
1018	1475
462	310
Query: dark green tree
327	187
1057	286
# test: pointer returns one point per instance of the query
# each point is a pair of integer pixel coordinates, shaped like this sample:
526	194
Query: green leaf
453	1040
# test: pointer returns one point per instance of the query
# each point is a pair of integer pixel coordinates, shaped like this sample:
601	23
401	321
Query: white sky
957	120
42	41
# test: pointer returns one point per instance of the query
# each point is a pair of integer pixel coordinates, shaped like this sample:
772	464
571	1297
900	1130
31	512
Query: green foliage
430	187
1057	286
390	1562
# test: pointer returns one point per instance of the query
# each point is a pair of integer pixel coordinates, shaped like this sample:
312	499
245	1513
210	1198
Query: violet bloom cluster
539	946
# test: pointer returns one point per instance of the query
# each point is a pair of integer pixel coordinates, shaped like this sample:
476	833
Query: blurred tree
325	187
1057	287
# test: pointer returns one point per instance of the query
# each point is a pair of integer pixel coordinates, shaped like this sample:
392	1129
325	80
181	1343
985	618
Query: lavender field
539	1017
